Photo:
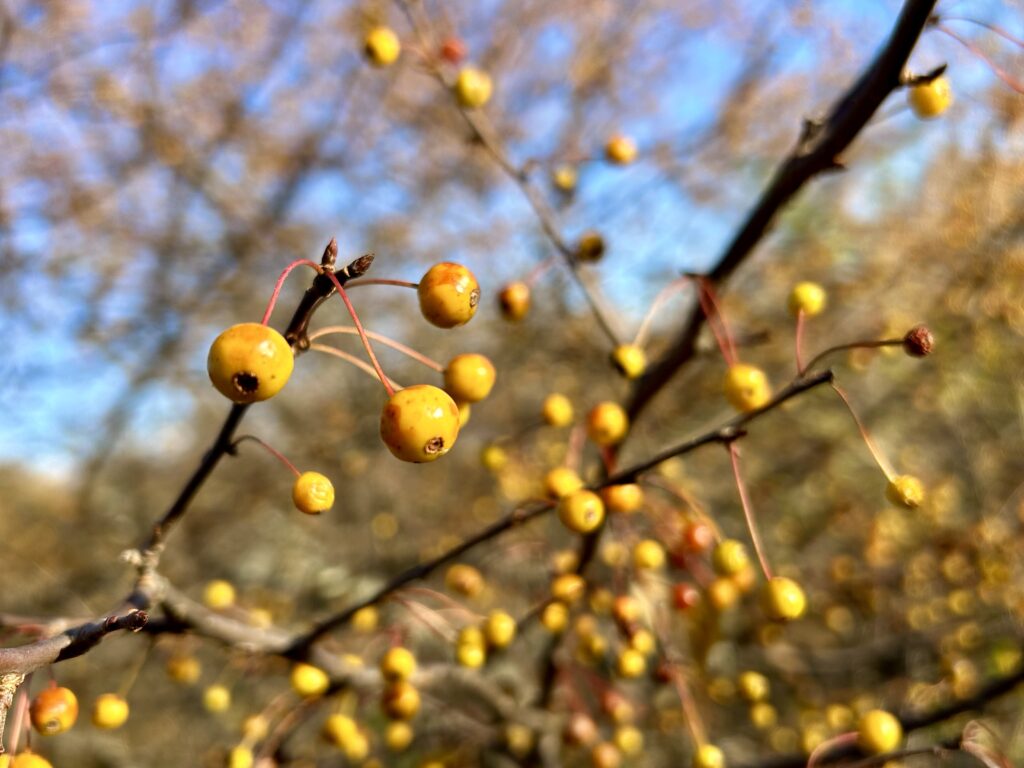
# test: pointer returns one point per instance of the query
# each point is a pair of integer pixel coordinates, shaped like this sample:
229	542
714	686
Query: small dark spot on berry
434	445
246	383
474	297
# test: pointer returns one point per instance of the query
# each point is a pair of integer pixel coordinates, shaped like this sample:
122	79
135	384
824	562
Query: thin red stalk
343	355
748	511
280	284
800	322
272	451
708	290
875	453
386	341
716	330
663	295
382	281
990	27
362	333
999	72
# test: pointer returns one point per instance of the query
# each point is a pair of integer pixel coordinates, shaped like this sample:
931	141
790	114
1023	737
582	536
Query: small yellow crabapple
746	387
449	294
53	710
381	46
397	664
557	410
561	481
469	377
219	594
879	731
784	599
607	423
809	298
620	150
312	493
581	511
473	87
514	300
419	423
250	362
930	99
629	360
309	681
109	711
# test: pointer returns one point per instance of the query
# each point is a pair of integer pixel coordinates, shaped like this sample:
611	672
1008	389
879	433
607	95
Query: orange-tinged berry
309	681
419	423
469	377
905	491
382	46
746	387
555	617
620	150
605	755
591	247
109	711
250	362
53	710
514	300
623	498
473	87
401	701
807	297
930	99
312	493
448	294
879	731
397	664
561	481
708	756
557	410
581	511
784	599
607	423
723	594
29	759
629	360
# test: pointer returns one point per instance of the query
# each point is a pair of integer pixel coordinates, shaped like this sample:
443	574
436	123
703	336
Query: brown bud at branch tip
919	341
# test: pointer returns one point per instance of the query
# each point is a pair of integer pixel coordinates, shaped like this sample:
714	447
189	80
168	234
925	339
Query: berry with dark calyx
514	300
590	247
930	99
473	88
449	294
381	46
469	377
54	710
419	423
312	493
629	360
919	341
249	362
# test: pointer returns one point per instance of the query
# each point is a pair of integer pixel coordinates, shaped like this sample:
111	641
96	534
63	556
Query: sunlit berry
448	294
568	588
250	362
28	759
879	731
561	481
809	298
398	736
309	681
557	410
109	711
419	423
629	360
365	619
698	536
499	629
219	594
514	300
685	596
217	698
607	423
400	701
241	757
930	99
182	668
753	686
555	617
469	377
381	46
581	511
648	554
564	177
629	739
339	728
464	579
620	150
53	710
605	755
784	599
630	663
746	387
723	594
905	491
312	493
729	557
473	87
623	498
397	664
470	649
708	756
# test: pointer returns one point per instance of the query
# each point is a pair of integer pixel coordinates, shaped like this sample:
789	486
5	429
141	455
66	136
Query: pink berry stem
851	345
360	364
715	321
990	27
876	454
538	271
999	72
280	284
428	617
269	449
386	341
381	281
663	295
692	714
748	511
19	719
362	334
800	322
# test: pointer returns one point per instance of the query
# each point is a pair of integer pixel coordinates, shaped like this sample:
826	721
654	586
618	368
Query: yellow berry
464	579
250	362
365	619
648	555
564	177
217	698
54	710
381	46
723	594
581	511
879	731
398	736
729	557
357	747
401	701
930	99
419	423
561	481
109	711
519	740
473	87
514	300
809	298
785	599
629	360
708	756
449	294
607	423
753	686
629	739
499	629
219	594
642	641
590	247
631	663
255	728
339	729
469	377
241	757
30	760
568	588
557	410
620	150
624	498
905	491
309	681
555	617
470	650
465	410
397	664
312	493
605	755
746	387
493	457
183	669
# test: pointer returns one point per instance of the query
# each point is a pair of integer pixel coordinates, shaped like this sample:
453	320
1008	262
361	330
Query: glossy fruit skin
397	664
879	731
219	594
401	701
561	481
607	423
109	711
250	362
448	294
581	511
381	46
930	99
309	681
30	760
629	360
419	423
469	377
648	555
453	50
746	387
624	498
784	599
708	756
620	150
53	711
473	88
557	410
312	493
807	297
698	536
568	588
464	579
630	663
590	247
499	629
685	596
729	557
514	300
905	491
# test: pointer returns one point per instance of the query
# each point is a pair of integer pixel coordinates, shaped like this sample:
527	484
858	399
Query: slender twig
876	454
851	345
999	71
990	27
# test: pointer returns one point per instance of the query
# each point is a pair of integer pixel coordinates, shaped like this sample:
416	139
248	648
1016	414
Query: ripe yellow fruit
312	493
809	298
250	362
53	710
465	410
419	423
309	681
217	698
514	300
339	729
607	423
620	150
464	579
397	664
723	594
590	247
708	756
629	360
398	736
753	686
365	619
381	46
905	491
564	177
568	588
729	557
784	599
241	757
30	760
470	650
449	294
879	731
630	663
469	377
624	498
561	481
473	87
493	457
629	739
581	511
555	617
648	554
401	701
109	711
499	629
183	669
557	410
746	387
219	594
930	99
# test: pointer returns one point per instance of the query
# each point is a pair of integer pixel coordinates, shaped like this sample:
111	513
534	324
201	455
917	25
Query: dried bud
919	341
